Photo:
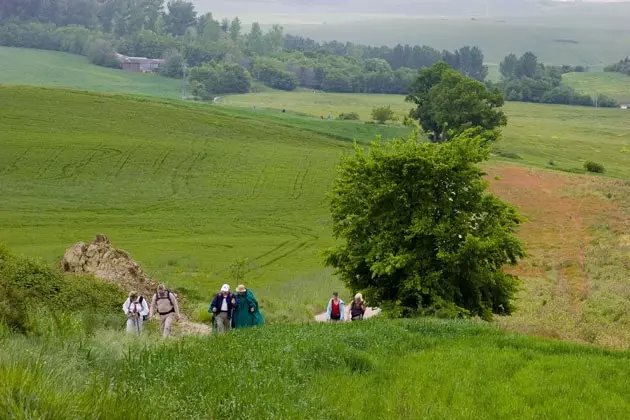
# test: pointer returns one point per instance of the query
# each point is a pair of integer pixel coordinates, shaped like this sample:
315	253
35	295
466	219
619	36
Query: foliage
524	79
382	114
272	73
27	285
449	103
349	116
173	64
181	16
623	67
594	167
101	53
420	232
210	79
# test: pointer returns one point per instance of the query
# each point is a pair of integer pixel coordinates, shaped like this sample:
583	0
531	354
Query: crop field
613	85
186	190
57	69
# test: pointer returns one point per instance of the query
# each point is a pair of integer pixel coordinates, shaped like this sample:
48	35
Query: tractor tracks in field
298	183
14	165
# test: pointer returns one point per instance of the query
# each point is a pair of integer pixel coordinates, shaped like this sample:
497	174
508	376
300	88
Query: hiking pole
138	325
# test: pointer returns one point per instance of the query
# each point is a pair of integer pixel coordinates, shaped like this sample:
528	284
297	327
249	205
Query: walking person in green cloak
246	313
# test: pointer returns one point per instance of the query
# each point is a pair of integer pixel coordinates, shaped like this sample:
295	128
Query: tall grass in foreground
378	369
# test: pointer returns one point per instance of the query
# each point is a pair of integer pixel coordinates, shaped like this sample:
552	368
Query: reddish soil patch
560	210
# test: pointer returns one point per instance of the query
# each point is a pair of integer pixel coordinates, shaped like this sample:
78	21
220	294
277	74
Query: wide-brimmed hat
359	296
225	288
240	289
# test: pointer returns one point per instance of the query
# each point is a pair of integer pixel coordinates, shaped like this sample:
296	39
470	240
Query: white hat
225	288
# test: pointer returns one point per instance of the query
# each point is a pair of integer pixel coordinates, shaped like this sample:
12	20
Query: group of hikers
336	311
228	310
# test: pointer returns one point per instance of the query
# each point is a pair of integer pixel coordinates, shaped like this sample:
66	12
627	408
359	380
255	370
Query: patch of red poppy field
575	269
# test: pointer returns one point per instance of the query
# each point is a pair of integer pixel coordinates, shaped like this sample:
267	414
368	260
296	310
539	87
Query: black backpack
144	317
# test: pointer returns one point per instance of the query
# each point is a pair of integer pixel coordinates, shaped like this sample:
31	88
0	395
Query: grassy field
186	188
190	188
614	85
378	369
57	69
557	137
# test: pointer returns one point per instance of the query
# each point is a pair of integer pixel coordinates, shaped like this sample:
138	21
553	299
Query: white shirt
142	309
224	305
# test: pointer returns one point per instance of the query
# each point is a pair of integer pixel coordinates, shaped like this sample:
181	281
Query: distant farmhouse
139	64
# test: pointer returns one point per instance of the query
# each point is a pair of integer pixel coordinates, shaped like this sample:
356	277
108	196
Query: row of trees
177	33
622	67
526	79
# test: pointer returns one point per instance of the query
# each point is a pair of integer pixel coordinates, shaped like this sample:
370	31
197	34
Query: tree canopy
449	102
419	232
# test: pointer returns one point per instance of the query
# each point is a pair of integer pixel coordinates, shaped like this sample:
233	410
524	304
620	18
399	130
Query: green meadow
613	85
548	136
20	66
190	188
379	369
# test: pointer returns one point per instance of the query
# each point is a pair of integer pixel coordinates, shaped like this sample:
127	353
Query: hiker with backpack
165	303
137	310
246	313
336	310
222	309
357	308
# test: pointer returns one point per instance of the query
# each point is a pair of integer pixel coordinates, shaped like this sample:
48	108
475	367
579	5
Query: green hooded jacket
243	315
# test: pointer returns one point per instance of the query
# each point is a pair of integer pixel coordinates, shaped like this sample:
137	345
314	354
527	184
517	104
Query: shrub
594	167
101	53
348	116
382	114
29	286
173	64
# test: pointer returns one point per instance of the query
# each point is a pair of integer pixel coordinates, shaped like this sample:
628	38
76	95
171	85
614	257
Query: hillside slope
613	85
184	188
57	69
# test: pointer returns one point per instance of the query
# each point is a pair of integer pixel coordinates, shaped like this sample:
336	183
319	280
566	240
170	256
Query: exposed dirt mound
108	264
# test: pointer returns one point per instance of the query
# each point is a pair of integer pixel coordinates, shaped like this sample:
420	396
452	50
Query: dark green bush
101	53
594	167
348	116
28	286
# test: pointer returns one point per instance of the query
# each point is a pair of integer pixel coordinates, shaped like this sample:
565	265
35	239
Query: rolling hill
188	189
57	69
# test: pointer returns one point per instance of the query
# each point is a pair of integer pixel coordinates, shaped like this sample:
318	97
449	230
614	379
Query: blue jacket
218	301
341	309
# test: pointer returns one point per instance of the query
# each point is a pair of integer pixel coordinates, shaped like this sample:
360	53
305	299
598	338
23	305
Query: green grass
186	189
378	369
613	85
57	69
537	134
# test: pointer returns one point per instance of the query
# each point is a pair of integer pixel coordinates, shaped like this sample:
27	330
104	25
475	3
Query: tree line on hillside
623	67
175	32
526	79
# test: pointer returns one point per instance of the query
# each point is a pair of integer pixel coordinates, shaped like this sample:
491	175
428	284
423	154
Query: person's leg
168	322
162	324
131	326
221	317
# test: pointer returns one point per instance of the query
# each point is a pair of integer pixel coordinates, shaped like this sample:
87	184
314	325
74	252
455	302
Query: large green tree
181	16
419	233
449	102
